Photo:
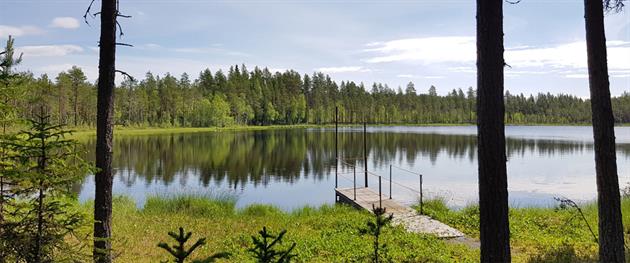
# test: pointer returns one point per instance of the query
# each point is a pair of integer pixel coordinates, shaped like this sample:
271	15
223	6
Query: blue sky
394	42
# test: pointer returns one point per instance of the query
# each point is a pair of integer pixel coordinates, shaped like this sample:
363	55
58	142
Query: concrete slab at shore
365	198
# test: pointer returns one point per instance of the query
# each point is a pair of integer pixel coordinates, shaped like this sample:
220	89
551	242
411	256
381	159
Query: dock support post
390	181
354	181
336	149
365	165
421	202
380	195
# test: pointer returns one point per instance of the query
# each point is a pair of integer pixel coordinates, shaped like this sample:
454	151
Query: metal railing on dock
418	191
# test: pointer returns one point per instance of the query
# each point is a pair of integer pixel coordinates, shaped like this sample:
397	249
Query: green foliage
563	253
8	61
264	250
261	97
625	192
555	234
198	205
566	203
374	229
39	217
327	233
179	251
260	210
466	219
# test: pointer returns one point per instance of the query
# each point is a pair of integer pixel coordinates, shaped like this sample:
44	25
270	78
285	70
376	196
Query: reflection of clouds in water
258	162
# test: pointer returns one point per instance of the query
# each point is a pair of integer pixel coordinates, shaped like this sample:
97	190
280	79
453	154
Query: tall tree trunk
104	133
493	196
611	243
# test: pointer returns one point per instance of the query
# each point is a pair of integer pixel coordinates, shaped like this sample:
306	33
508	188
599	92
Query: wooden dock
403	215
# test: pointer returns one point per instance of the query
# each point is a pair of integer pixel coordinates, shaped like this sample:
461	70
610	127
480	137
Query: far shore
82	132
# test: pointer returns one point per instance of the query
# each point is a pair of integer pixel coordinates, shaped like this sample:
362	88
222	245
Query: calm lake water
291	168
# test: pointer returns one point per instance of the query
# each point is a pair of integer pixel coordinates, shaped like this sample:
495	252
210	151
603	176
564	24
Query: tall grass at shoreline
330	233
538	234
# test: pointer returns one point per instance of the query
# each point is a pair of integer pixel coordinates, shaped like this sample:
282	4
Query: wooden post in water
380	194
390	181
354	181
421	202
365	152
336	148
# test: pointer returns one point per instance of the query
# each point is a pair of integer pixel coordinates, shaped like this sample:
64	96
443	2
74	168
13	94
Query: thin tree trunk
611	243
493	196
104	134
40	223
76	97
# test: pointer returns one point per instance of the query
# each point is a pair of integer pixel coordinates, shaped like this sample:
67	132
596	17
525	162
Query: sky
393	42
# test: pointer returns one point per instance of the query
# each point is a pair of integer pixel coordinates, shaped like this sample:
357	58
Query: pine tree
494	230
611	242
47	165
265	251
181	253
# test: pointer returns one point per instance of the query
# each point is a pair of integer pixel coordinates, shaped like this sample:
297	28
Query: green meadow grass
537	234
330	233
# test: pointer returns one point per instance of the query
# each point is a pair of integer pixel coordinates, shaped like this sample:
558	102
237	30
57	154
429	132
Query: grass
86	132
329	233
551	234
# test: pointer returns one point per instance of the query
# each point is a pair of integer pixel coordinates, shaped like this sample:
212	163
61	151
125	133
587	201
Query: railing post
421	202
390	181
354	181
336	149
380	199
365	163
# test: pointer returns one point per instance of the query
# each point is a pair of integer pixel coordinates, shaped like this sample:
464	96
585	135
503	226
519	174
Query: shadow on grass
565	253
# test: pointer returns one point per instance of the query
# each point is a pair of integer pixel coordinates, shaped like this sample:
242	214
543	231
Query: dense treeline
260	97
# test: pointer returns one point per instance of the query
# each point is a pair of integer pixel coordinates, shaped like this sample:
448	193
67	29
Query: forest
42	220
260	97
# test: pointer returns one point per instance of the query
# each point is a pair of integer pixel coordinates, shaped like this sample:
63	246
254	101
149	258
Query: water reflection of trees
261	157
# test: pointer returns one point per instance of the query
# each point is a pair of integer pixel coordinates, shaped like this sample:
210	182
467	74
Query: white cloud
407	76
6	31
152	45
212	50
576	76
65	22
49	50
424	50
411	76
342	69
459	54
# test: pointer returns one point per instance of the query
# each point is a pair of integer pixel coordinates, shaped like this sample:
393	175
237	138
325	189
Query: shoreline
125	130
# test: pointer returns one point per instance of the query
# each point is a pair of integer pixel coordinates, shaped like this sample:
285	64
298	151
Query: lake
294	167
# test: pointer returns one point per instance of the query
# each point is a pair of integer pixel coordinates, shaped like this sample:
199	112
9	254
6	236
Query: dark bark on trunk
104	133
493	196
611	243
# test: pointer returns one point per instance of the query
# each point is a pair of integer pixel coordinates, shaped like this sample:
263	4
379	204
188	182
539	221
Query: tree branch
124	44
87	12
126	74
120	28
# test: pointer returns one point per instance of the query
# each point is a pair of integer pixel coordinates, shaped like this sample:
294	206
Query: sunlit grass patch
191	204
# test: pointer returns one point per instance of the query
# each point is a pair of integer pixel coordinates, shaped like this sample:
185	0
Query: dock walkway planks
408	217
